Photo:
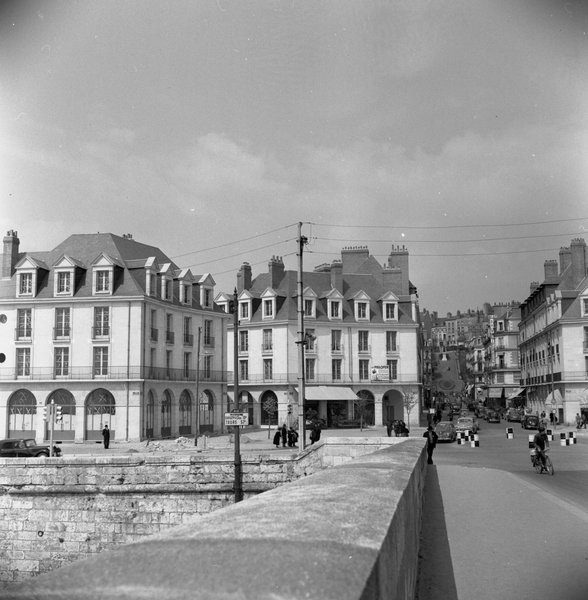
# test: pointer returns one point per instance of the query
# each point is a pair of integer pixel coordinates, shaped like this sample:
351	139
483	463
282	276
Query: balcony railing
100	332
337	348
61	333
267	348
319	378
188	339
23	333
169	337
154	334
118	373
364	348
208	341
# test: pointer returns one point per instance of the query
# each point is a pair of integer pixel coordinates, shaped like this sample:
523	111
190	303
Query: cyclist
541	442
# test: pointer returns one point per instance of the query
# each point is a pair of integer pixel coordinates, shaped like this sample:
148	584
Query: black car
25	447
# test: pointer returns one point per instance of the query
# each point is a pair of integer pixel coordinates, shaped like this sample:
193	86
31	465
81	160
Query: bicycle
538	465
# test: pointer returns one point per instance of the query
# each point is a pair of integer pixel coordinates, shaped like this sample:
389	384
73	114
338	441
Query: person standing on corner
432	438
106	437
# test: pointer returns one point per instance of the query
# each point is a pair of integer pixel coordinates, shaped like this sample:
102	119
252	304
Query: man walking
432	438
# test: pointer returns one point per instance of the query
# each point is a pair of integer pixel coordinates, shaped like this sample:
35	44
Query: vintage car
445	431
514	414
25	447
467	424
493	416
530	422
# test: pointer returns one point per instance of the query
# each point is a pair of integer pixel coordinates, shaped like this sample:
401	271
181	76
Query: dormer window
335	309
25	284
585	307
269	308
186	293
206	296
310	308
361	311
63	283
151	284
390	311
244	310
166	288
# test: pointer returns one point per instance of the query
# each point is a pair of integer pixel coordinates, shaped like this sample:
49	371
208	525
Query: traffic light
44	409
58	415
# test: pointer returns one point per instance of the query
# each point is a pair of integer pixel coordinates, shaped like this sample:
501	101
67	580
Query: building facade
362	339
553	336
113	332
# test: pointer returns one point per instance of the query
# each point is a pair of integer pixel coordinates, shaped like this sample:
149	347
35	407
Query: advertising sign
380	373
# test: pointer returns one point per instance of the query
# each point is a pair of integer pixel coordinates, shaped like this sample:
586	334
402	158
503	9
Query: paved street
494	529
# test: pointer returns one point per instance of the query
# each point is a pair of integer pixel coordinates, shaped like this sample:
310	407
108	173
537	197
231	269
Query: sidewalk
489	535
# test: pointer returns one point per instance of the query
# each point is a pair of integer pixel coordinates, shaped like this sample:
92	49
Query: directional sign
236	419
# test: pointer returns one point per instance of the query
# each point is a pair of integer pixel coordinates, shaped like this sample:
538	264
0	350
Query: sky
212	128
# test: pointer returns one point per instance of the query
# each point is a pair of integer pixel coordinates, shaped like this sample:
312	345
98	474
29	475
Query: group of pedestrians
286	436
398	427
581	420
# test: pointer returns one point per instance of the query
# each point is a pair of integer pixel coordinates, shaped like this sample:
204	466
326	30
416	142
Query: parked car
467	424
493	416
446	431
25	447
514	414
530	422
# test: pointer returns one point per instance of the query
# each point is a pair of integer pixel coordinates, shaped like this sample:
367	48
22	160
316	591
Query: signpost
236	419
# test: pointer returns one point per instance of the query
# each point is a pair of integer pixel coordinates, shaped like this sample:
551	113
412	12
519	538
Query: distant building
362	339
113	332
554	336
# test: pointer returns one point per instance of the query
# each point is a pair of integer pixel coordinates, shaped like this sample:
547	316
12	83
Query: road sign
236	419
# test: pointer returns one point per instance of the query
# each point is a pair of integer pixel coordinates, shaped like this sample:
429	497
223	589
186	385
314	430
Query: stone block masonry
54	511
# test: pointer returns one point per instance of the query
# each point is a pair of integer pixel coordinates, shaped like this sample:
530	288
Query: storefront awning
554	399
495	392
325	392
514	393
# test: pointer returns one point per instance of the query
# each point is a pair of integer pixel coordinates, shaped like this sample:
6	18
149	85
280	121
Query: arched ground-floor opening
100	411
22	414
392	406
65	429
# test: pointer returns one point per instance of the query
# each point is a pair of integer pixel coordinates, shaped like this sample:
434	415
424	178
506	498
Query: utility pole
302	241
236	402
197	428
52	422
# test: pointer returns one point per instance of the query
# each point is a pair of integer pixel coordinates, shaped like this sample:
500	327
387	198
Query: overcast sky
211	128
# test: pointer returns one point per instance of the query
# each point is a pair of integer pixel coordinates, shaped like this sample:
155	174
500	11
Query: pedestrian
389	428
284	435
106	437
551	415
432	438
292	437
578	421
277	437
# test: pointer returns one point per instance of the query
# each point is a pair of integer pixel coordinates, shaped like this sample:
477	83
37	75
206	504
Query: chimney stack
565	259
10	254
550	269
337	275
244	277
276	271
578	253
398	258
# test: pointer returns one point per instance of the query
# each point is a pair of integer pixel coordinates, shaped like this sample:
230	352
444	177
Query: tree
270	406
361	404
409	401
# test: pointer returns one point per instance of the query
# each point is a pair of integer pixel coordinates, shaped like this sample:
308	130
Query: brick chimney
565	259
10	254
353	257
550	269
398	258
276	270
337	275
244	277
578	252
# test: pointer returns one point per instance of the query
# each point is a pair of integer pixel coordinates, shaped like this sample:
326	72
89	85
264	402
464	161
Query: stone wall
57	510
346	533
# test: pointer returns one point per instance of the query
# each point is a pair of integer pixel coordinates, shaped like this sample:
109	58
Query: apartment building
501	357
362	339
553	337
115	333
